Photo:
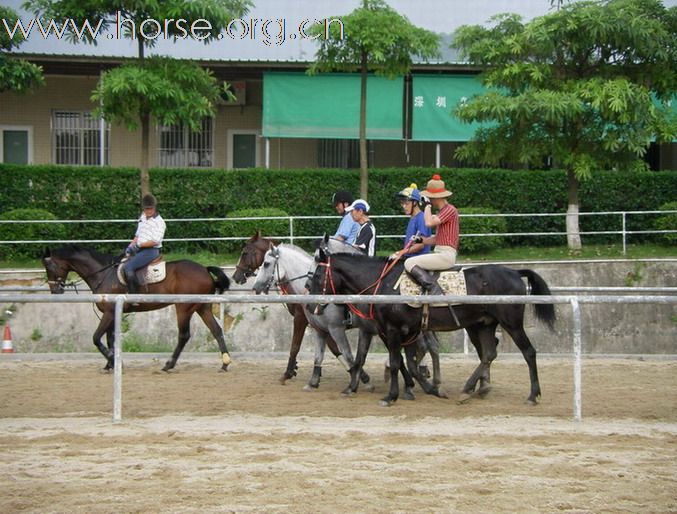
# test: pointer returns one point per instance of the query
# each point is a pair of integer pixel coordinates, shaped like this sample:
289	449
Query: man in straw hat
445	239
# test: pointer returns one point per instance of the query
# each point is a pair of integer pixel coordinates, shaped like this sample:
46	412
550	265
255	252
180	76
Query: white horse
288	266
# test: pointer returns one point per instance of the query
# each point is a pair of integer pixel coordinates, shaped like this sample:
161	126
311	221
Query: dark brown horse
250	260
99	272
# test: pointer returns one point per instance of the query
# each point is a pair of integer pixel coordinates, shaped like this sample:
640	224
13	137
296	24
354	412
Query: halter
276	272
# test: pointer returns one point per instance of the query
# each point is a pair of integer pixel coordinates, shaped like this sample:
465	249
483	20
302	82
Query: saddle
155	271
452	282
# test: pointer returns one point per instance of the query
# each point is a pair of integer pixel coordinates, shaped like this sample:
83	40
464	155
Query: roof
286	43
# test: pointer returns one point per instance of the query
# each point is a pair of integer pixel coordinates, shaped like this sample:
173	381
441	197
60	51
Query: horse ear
257	235
321	255
47	253
326	238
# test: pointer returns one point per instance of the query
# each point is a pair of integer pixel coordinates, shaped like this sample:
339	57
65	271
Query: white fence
119	300
292	221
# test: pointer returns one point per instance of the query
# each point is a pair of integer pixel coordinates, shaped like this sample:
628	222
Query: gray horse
288	266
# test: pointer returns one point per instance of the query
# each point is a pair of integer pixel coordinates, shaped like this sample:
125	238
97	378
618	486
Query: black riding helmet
341	197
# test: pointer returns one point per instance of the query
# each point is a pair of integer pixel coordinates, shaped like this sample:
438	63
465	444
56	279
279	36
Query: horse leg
320	346
106	323
183	314
300	324
394	352
205	312
408	381
483	337
415	371
110	342
432	345
529	352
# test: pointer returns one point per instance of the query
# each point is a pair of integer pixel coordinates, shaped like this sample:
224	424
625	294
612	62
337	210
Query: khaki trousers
442	257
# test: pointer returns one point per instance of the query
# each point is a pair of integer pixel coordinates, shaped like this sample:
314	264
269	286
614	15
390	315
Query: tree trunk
364	172
145	139
573	230
145	135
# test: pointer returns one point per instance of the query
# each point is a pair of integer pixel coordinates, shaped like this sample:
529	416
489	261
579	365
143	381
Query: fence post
117	355
576	310
624	241
291	230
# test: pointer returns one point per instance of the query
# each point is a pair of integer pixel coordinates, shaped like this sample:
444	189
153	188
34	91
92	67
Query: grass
521	253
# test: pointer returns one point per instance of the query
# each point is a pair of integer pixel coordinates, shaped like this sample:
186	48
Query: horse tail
544	311
222	282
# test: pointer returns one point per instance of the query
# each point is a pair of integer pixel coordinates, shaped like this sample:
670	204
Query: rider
145	247
409	199
446	238
366	235
348	228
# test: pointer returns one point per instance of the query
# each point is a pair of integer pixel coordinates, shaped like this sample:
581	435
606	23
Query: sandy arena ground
201	441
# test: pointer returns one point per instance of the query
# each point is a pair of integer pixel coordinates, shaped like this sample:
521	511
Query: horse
427	341
98	270
250	260
355	274
288	266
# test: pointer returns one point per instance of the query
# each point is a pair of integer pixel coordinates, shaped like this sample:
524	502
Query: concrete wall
607	328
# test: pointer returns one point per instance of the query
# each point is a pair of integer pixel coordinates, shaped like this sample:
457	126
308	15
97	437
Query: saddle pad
155	272
451	282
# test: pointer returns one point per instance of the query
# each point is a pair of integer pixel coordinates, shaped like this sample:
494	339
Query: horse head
269	271
251	257
57	271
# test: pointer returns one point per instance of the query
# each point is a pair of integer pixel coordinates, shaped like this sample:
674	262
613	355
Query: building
281	118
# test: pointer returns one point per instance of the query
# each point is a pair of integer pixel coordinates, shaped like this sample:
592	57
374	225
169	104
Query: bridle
281	283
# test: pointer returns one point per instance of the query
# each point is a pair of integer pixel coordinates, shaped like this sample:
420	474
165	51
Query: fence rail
293	222
120	299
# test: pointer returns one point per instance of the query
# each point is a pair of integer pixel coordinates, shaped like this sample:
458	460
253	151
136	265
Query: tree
171	91
588	85
15	74
377	39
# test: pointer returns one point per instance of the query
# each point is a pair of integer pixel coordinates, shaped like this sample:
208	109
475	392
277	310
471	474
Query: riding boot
133	285
426	281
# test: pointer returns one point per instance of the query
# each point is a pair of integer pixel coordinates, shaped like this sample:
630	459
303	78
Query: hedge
76	192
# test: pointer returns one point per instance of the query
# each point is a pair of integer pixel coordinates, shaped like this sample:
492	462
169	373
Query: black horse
399	323
182	277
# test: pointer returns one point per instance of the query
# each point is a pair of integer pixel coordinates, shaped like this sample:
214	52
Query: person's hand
394	256
132	249
423	202
416	239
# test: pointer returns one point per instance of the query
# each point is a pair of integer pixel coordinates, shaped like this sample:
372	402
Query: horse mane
294	248
70	251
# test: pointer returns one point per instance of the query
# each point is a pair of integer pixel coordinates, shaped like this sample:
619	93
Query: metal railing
120	299
293	235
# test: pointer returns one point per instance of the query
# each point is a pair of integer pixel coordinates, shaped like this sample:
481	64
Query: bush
244	229
28	232
667	222
481	225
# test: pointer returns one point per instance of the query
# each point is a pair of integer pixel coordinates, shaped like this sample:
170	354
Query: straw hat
436	188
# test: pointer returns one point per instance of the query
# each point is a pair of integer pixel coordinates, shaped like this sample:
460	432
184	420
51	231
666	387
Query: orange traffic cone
7	340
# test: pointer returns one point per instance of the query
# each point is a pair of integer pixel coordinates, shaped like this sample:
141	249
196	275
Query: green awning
327	106
434	98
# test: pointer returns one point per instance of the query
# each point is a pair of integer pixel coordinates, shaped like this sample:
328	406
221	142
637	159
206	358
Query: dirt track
197	440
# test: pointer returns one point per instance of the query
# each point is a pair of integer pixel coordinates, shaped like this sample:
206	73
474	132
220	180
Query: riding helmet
410	193
341	197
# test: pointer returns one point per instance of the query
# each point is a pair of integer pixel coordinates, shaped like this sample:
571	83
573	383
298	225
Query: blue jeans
141	259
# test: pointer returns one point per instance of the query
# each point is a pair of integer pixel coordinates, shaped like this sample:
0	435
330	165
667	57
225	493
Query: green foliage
244	229
375	31
481	225
668	222
86	193
171	91
27	232
15	74
575	85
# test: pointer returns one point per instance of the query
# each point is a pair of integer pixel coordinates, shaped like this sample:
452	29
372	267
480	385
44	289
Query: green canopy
328	106
434	98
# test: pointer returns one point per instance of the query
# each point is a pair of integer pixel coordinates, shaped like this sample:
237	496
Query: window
341	153
178	147
76	138
16	144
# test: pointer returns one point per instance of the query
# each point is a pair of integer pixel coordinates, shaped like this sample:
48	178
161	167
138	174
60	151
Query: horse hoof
224	367
370	388
347	393
283	380
409	396
309	387
441	393
225	358
483	391
529	401
385	403
463	398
